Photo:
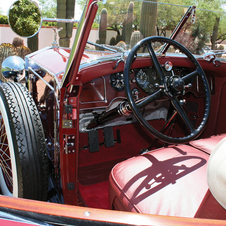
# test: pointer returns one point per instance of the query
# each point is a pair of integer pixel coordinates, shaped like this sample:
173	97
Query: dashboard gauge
146	78
141	77
117	81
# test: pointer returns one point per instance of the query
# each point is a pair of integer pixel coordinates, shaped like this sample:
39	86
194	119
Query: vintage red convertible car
121	134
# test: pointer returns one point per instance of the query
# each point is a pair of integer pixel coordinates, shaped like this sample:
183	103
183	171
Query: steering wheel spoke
145	101
187	78
155	60
182	113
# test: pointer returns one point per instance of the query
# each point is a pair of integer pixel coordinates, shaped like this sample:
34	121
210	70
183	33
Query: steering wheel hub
176	84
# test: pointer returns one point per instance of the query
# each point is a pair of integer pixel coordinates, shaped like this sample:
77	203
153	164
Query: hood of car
54	59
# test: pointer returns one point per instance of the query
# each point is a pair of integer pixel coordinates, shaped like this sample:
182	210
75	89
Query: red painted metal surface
90	214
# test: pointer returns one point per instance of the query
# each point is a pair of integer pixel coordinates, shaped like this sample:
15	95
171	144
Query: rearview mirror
25	18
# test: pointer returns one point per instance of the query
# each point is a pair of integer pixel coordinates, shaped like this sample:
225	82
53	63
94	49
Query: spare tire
23	154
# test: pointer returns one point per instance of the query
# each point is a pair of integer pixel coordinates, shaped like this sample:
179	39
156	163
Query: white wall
46	36
7	35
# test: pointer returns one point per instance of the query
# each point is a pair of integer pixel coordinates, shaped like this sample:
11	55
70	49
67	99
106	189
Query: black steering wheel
170	87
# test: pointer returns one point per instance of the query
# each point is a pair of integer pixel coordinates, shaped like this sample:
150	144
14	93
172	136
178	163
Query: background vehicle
112	104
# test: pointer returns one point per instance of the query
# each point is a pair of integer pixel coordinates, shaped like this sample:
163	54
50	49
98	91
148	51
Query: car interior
146	174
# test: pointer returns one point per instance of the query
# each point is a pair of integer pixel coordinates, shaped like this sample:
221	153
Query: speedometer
141	77
146	78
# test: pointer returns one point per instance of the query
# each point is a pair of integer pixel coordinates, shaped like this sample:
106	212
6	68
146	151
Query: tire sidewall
15	166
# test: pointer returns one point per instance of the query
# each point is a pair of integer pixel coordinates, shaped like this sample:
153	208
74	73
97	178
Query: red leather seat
168	181
208	144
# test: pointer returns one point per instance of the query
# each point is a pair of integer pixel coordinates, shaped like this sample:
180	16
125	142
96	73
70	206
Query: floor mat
96	173
96	195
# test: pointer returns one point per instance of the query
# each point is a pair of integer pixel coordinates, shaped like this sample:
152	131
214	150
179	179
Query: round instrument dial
146	78
141	77
117	81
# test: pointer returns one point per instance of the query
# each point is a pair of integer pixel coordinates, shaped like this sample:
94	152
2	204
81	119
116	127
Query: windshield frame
81	37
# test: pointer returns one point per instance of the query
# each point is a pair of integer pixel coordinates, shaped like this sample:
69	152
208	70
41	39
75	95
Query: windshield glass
121	24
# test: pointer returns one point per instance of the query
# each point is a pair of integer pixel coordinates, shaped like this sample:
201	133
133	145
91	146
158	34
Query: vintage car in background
127	130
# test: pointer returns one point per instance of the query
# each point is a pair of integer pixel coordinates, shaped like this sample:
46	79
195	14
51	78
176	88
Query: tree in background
215	33
221	34
27	23
206	27
48	8
208	23
3	19
205	30
209	26
117	14
169	16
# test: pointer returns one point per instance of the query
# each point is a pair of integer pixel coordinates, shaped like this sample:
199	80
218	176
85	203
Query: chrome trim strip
33	71
49	72
60	20
101	107
97	61
110	58
52	88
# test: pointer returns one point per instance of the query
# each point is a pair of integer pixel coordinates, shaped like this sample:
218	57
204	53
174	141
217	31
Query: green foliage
49	24
49	8
169	15
200	37
221	30
207	19
117	12
24	18
202	30
95	25
75	25
3	19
